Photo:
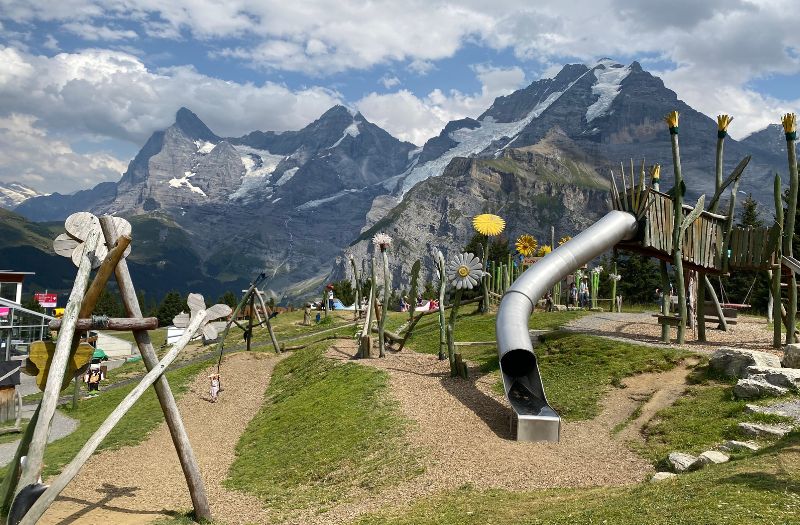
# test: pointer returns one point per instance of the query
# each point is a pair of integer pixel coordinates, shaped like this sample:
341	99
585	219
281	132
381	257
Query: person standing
584	293
572	297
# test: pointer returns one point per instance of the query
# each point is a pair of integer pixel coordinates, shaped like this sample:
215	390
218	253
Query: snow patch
315	203
258	164
287	175
183	182
609	77
276	200
204	147
473	141
351	130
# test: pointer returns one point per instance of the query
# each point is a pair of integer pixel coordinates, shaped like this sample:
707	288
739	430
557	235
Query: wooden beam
111	323
33	465
71	470
177	431
269	324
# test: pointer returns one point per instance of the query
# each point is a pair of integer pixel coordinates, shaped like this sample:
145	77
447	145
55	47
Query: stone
782	377
560	307
661	476
791	356
707	458
754	388
789	408
732	445
764	430
733	362
680	462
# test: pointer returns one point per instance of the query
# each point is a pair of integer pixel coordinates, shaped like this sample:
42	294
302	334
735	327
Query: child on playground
214	387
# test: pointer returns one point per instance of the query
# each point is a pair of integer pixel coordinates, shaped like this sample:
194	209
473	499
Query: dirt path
750	333
463	429
143	483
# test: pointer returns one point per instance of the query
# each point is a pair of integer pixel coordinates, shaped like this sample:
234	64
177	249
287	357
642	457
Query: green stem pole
451	327
485	278
777	318
788	234
677	241
385	307
442	323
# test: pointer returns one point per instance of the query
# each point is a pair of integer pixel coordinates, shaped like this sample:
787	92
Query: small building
11	285
19	327
115	347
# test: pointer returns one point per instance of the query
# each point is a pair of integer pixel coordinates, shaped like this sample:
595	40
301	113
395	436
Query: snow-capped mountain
13	194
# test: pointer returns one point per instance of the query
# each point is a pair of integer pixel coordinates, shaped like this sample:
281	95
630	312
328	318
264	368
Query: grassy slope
763	490
325	428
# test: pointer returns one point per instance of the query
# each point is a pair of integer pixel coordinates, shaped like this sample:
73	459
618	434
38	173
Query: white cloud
389	81
30	156
94	33
415	119
103	93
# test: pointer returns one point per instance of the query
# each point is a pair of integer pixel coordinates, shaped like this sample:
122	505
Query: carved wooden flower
79	225
488	224
196	303
382	241
464	271
526	245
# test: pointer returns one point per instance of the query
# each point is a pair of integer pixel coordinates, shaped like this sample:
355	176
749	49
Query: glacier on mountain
609	77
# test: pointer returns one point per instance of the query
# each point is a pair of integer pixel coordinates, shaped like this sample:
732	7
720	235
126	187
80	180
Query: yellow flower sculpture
672	119
789	122
488	224
526	245
544	250
723	121
655	172
564	239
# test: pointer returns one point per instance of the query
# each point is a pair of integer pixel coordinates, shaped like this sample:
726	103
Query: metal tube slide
536	420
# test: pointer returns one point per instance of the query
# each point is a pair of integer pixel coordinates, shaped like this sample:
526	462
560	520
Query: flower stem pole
614	287
655	178
442	323
451	345
677	241
776	270
385	308
357	286
790	129
485	278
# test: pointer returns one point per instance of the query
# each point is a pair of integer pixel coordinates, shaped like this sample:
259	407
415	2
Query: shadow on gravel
496	415
111	492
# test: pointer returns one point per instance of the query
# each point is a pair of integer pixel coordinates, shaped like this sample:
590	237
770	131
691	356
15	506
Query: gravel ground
751	333
463	433
142	483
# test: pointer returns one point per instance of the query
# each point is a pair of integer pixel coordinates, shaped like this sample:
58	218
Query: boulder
661	476
753	388
680	462
791	356
733	362
708	457
764	430
738	446
782	377
789	408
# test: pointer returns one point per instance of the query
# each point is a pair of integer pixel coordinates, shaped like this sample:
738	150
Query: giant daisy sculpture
526	245
383	241
464	271
490	225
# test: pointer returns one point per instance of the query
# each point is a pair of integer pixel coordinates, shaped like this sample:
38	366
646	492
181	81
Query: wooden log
713	294
111	323
33	465
180	438
267	313
365	347
71	470
7	489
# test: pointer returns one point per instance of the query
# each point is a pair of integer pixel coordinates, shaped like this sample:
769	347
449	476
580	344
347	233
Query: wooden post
268	322
776	273
172	416
442	285
451	333
250	318
677	237
723	323
385	308
71	470
357	305
33	465
655	178
790	130
7	489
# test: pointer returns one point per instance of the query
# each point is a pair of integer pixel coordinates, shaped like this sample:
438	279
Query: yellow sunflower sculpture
488	224
544	250
564	239
526	245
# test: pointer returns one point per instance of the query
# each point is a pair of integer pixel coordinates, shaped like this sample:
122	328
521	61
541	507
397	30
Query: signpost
46	300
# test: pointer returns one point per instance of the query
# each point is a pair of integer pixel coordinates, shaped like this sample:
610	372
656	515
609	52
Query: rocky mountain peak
13	194
194	128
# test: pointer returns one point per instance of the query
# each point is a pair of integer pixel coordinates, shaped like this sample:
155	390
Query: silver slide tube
518	365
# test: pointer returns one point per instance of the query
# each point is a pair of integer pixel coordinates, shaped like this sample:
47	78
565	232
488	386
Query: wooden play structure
701	242
100	244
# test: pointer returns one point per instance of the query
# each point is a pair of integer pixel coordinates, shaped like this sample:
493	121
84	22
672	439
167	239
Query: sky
83	83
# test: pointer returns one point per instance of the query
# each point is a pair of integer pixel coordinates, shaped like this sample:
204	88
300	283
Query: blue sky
83	83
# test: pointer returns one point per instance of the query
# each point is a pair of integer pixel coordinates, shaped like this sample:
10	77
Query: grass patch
762	490
576	369
133	428
325	429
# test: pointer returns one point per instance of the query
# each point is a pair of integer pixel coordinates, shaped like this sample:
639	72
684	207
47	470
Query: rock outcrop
734	362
